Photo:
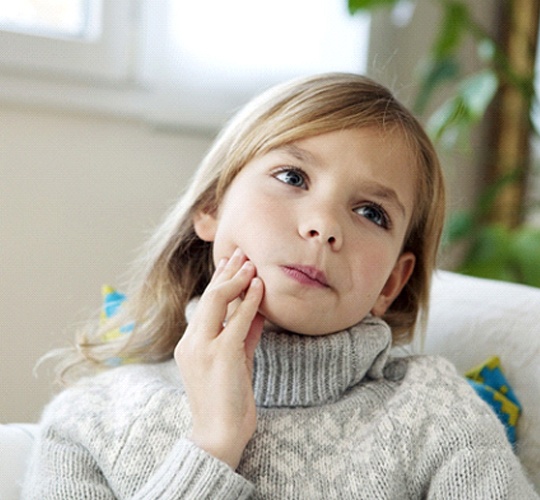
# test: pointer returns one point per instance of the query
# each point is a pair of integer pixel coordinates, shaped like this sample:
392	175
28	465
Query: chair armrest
16	441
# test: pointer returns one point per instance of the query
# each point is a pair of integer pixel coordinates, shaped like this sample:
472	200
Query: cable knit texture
337	419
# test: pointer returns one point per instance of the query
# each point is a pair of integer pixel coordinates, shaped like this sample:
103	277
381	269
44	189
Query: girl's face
323	220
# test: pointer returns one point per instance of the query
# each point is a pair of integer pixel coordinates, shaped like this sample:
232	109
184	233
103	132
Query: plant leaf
463	109
446	120
486	49
435	72
477	91
490	255
454	24
359	5
460	225
525	248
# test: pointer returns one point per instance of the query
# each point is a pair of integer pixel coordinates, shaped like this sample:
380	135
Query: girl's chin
281	315
292	327
287	319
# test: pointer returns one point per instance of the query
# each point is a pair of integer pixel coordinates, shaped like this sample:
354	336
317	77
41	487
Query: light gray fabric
337	419
300	370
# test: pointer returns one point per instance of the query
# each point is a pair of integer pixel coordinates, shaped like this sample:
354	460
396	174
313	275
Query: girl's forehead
365	142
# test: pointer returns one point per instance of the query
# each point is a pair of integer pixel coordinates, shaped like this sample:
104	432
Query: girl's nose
324	230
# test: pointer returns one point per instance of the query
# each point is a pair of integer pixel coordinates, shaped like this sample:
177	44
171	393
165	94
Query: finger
230	289
219	269
213	306
240	322
231	267
254	336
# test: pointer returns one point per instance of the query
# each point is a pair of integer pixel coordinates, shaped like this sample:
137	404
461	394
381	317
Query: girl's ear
205	225
398	278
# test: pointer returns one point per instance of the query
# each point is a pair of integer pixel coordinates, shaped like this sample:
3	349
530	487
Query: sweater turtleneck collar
302	370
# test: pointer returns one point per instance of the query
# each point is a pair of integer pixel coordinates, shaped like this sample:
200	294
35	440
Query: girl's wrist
227	451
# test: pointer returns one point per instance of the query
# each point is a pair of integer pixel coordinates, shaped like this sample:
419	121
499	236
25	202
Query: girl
264	311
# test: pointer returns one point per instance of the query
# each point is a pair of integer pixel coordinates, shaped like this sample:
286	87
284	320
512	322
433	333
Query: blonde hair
176	265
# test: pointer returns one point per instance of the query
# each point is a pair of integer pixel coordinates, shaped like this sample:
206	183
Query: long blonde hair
176	265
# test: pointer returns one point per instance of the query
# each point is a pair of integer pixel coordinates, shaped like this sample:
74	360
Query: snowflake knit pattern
337	418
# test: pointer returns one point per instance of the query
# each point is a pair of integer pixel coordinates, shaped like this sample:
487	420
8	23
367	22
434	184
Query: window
90	42
171	61
52	18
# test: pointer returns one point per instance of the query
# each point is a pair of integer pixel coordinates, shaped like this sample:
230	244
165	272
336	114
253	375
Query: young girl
263	314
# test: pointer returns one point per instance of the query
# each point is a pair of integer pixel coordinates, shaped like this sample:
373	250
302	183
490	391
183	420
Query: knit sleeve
190	473
61	469
485	473
122	434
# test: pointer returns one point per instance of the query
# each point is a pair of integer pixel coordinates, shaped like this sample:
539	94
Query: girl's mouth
306	275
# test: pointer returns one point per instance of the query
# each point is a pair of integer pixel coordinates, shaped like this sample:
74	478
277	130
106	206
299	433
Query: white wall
78	195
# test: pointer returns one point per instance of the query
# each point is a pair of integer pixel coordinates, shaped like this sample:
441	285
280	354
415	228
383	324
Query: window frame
105	58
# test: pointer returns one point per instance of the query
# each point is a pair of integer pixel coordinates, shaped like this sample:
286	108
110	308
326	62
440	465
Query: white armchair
15	445
470	320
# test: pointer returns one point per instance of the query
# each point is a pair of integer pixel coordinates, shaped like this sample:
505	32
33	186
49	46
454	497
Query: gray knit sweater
337	419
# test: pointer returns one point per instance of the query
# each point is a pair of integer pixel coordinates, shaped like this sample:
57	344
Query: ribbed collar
302	370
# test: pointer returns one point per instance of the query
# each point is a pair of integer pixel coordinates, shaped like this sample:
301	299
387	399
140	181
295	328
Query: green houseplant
498	241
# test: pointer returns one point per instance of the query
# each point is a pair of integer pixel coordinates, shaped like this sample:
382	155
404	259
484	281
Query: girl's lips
306	275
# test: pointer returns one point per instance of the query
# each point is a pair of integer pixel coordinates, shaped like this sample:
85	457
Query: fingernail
247	265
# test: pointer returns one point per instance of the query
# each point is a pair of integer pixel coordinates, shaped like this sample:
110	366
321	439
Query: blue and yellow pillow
490	383
112	302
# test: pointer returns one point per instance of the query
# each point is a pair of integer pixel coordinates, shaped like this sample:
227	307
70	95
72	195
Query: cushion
490	383
112	302
15	444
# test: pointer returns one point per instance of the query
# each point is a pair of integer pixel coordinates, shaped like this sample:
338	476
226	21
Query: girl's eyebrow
385	193
297	152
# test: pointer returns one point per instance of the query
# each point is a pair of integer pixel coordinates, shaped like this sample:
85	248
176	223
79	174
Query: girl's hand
216	360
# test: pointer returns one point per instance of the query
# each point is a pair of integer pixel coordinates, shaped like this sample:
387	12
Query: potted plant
499	242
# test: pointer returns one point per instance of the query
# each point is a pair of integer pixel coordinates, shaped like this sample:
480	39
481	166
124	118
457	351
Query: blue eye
292	176
374	213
